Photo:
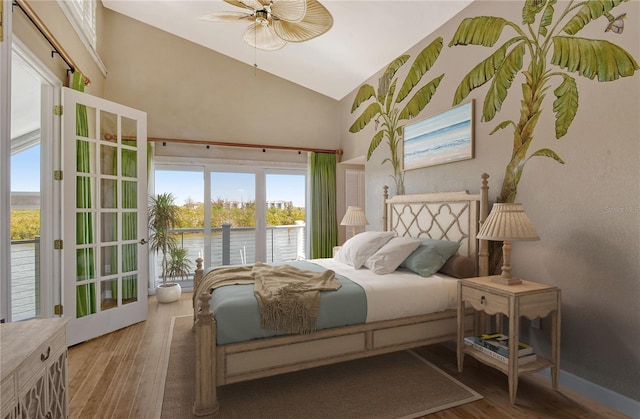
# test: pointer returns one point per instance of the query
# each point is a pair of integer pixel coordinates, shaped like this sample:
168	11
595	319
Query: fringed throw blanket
288	297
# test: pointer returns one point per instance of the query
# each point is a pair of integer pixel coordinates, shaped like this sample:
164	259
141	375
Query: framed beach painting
439	139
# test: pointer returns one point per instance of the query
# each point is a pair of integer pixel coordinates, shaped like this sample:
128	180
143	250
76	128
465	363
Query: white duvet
401	293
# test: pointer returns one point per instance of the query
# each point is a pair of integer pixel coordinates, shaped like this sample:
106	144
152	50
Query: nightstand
528	299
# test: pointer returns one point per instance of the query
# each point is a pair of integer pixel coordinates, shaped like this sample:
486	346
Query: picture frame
445	137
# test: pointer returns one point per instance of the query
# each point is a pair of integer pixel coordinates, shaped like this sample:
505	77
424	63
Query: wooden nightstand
528	299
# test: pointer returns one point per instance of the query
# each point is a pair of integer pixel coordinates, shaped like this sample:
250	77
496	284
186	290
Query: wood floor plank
120	375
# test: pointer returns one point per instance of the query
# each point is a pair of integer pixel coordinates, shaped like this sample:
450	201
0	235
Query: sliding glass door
231	215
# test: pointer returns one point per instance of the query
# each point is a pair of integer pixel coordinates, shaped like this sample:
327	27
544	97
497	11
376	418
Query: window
82	15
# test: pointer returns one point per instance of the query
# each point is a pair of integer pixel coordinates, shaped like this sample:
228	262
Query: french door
105	256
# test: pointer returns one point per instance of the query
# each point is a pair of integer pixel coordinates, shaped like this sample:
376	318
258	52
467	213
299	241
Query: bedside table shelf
531	367
528	299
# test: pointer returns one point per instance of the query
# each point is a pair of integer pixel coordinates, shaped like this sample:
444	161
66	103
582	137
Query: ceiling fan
276	22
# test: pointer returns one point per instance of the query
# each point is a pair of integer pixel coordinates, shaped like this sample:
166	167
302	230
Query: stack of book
496	345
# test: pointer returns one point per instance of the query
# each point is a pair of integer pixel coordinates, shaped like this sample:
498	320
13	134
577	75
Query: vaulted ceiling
365	37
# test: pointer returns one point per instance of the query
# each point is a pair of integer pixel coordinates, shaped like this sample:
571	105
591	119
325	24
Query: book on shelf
524	359
500	343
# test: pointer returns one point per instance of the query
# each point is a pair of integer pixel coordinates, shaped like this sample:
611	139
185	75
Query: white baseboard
602	395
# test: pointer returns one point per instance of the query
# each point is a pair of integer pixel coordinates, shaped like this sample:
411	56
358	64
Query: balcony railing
235	246
229	246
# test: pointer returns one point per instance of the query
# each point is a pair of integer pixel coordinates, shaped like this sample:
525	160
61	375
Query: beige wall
54	19
587	211
191	92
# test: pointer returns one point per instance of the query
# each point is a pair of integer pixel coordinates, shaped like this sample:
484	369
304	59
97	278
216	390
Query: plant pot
168	293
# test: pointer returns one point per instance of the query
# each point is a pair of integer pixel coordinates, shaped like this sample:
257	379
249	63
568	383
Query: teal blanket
238	320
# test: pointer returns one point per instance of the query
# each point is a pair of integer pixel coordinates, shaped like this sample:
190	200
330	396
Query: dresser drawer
45	354
486	301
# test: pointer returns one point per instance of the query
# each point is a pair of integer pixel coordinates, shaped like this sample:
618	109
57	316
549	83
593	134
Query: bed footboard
206	397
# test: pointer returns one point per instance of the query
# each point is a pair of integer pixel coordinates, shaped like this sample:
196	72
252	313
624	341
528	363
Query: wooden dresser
33	368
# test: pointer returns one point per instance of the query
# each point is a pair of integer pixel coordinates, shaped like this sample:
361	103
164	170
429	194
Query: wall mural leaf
423	63
566	105
586	57
387	116
591	58
502	80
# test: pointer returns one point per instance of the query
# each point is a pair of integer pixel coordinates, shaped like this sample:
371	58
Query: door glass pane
109	226
108	294
129	194
85	264
86	126
108	126
108	163
109	192
129	225
129	131
129	163
129	289
109	259
85	299
285	217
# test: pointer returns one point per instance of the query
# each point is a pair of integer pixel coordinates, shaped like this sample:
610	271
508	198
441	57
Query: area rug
395	385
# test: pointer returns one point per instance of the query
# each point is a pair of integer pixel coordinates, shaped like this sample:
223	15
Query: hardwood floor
118	376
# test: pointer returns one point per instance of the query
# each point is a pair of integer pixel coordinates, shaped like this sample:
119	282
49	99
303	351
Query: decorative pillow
390	256
430	256
358	248
459	267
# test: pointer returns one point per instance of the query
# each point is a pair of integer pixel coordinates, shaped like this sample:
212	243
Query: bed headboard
453	216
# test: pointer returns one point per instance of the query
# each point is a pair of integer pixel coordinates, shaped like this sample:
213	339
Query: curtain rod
244	145
42	28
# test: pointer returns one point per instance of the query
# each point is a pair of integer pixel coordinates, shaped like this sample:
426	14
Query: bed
449	216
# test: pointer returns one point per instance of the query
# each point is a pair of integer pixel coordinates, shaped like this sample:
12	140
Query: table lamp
354	217
507	222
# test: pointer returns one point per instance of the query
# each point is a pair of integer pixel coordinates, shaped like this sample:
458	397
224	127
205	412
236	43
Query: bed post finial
385	196
197	276
483	250
206	398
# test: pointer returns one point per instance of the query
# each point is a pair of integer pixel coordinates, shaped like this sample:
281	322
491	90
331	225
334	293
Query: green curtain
85	266
324	224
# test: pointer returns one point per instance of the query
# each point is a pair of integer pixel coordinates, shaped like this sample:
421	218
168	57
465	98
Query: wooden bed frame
454	216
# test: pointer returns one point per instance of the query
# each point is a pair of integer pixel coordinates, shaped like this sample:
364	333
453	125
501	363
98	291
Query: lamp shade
354	217
507	222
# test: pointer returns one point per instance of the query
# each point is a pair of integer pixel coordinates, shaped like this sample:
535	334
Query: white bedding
401	293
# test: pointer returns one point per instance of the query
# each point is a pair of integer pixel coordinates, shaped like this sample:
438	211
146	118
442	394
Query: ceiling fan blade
227	17
263	37
246	4
289	10
316	21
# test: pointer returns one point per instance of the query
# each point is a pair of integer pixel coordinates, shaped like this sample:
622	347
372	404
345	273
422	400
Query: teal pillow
430	256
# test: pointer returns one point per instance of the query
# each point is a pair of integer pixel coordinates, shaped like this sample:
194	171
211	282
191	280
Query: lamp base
498	279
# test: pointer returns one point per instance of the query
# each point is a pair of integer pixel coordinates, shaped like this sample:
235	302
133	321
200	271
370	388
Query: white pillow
358	248
390	256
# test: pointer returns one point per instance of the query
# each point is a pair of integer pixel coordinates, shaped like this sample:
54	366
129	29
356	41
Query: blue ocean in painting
440	139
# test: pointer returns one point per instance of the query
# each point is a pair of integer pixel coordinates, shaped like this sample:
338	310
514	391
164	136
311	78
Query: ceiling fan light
263	37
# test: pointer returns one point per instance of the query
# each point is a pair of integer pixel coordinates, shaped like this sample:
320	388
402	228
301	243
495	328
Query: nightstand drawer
485	301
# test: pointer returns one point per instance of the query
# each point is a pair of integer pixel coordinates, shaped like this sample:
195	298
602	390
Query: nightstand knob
482	299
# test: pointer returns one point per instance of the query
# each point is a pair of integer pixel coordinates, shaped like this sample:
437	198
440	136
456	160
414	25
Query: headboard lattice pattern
452	216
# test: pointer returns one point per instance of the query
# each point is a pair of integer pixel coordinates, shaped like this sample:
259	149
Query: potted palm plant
179	265
163	216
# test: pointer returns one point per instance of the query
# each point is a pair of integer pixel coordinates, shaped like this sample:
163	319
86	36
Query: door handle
143	241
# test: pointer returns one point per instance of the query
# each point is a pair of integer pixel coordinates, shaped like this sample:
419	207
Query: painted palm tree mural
549	40
384	107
